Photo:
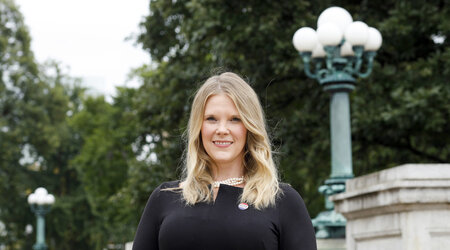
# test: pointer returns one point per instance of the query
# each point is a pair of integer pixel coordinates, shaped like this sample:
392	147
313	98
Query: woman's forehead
220	101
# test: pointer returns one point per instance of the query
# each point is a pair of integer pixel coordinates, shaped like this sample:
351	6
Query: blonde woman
230	196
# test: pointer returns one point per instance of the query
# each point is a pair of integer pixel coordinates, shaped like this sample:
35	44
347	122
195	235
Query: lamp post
339	51
40	202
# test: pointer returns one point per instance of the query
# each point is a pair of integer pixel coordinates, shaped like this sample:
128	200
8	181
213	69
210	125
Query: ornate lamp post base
329	223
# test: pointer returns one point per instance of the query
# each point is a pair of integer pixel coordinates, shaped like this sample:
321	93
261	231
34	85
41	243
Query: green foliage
79	148
108	132
18	89
402	113
35	140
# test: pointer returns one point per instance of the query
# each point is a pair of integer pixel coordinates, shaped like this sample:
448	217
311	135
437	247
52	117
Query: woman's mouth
222	143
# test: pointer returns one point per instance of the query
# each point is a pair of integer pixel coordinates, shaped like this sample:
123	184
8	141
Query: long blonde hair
261	177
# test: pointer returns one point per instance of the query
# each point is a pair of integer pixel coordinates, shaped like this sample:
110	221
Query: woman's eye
210	118
235	119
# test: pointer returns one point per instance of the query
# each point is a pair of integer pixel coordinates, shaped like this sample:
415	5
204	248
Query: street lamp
340	50
40	202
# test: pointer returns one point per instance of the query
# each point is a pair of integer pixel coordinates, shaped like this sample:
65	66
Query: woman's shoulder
169	184
288	193
291	203
165	186
286	187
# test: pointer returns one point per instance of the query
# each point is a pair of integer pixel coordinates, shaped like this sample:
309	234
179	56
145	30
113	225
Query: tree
399	114
107	132
18	89
36	141
79	147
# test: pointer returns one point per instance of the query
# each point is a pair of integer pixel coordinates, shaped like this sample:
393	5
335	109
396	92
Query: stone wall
402	208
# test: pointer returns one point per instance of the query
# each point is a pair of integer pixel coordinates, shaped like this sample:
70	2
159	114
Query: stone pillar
402	208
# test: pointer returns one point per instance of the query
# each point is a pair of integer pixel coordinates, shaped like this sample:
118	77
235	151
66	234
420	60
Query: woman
230	197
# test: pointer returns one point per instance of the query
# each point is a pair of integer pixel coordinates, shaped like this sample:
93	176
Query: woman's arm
146	237
296	230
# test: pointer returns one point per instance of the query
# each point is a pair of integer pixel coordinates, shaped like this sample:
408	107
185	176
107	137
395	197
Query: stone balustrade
401	208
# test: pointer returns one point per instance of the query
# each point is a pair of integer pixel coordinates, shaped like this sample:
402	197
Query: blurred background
101	144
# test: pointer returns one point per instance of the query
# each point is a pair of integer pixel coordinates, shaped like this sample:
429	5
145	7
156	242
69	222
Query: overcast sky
88	36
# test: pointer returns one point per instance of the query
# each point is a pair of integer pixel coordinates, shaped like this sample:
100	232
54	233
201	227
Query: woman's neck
226	171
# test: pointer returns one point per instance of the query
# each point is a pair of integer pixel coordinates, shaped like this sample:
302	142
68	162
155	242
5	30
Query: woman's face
223	133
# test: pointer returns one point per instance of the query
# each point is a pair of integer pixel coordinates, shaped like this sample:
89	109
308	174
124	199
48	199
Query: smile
222	143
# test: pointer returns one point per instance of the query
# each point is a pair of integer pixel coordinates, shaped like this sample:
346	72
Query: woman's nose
222	128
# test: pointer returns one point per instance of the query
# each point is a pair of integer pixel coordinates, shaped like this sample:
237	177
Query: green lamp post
40	202
335	55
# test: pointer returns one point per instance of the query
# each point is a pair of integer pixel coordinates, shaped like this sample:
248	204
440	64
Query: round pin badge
243	206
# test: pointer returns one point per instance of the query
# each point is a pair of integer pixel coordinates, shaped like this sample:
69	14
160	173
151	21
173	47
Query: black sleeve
146	237
296	230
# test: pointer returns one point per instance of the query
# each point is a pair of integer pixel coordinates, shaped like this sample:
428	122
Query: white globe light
329	34
305	39
32	199
318	52
40	200
49	199
28	229
347	50
357	33
41	191
374	40
336	15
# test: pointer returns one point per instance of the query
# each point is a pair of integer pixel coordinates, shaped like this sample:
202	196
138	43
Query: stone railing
402	208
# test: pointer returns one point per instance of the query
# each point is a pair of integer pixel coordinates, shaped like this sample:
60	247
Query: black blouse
167	223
